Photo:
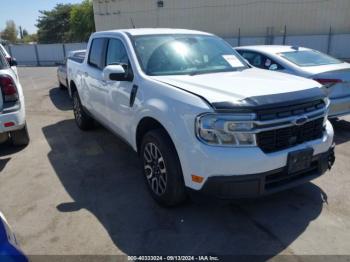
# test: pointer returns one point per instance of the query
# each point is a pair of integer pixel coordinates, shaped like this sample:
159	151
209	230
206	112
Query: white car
199	116
332	73
11	60
12	110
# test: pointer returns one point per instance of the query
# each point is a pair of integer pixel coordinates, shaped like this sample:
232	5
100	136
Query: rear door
94	79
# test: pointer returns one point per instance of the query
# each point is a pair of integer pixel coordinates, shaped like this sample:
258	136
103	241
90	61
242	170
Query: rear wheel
162	169
83	120
20	137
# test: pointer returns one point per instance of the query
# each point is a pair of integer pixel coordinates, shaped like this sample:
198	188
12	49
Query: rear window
309	58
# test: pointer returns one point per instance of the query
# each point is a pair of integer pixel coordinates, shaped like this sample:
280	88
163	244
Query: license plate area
299	160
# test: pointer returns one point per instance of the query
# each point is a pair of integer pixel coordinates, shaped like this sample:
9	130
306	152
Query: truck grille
288	111
279	139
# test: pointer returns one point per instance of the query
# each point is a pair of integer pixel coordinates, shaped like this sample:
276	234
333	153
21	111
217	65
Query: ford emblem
300	120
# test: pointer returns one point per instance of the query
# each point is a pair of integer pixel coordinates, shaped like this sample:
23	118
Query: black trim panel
256	185
272	101
133	94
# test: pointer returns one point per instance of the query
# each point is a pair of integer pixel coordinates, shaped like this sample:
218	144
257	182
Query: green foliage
66	23
53	25
33	38
25	33
10	32
82	22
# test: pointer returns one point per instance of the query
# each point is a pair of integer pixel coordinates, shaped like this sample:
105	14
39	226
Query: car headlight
226	129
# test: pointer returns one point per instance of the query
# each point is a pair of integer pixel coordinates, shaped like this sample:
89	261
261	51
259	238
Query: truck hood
248	88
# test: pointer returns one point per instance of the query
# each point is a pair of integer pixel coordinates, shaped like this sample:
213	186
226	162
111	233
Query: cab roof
153	31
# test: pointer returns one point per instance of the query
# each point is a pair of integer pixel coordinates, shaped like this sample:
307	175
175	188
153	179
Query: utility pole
21	32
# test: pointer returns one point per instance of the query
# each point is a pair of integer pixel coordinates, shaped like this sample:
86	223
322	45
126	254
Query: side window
96	57
261	61
116	53
247	55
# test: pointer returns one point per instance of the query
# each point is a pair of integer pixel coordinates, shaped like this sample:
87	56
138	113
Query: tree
82	22
25	33
54	25
33	38
10	32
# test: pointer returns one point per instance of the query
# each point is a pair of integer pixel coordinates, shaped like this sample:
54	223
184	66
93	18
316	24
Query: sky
26	12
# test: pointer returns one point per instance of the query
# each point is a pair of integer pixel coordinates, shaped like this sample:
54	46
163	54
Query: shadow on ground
6	148
102	175
3	163
60	99
341	131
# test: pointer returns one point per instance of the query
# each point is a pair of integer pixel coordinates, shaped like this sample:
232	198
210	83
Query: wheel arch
72	87
145	125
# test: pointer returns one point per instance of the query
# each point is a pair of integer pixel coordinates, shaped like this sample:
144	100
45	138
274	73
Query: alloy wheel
77	109
155	169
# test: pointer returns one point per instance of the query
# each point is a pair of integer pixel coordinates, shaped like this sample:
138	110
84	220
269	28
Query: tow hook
331	157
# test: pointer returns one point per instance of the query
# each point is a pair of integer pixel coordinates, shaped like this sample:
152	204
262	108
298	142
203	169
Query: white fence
337	45
42	54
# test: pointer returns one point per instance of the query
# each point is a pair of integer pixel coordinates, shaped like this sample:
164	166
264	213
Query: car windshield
186	54
309	58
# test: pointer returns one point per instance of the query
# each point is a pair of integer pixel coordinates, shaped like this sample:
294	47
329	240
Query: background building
226	17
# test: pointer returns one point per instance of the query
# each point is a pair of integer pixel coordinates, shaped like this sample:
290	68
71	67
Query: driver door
119	110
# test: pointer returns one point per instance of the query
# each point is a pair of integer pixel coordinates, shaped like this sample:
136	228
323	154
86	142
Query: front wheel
83	120
162	169
20	137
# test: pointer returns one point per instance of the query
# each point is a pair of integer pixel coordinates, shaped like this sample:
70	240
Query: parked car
332	73
199	116
9	247
11	60
62	68
12	109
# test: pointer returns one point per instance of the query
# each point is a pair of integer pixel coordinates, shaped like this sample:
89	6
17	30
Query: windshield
309	58
185	54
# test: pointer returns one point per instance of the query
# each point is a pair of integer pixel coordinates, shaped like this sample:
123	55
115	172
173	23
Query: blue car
9	248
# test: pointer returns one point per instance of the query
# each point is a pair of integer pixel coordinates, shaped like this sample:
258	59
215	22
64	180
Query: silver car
332	73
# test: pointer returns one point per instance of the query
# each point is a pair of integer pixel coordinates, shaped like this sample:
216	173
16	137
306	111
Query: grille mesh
279	139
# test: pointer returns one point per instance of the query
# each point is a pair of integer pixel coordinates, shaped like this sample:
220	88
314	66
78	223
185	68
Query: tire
20	137
162	168
82	119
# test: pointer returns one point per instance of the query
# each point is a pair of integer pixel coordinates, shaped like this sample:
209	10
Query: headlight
226	129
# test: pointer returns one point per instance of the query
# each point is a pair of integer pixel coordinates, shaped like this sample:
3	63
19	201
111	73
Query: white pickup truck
199	116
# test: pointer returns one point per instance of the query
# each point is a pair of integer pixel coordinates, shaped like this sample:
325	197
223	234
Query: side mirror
12	61
273	67
115	73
